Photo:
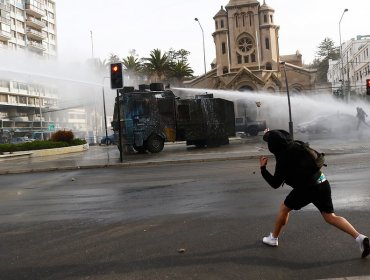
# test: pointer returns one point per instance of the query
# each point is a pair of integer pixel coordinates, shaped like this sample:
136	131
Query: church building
246	38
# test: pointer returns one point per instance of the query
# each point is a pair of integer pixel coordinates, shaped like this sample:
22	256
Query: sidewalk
108	156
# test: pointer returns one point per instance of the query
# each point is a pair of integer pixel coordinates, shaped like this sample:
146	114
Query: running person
306	189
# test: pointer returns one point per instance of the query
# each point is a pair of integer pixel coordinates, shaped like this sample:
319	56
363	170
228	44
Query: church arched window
253	57
267	43
244	18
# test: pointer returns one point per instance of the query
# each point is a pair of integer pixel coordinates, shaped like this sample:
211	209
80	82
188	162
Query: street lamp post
92	44
288	95
41	124
340	50
204	49
105	112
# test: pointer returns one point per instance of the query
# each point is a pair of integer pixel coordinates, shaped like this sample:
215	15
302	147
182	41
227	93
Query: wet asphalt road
184	221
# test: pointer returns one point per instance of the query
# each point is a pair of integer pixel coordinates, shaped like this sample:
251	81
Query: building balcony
5	8
5	36
36	46
34	11
5	20
35	23
35	34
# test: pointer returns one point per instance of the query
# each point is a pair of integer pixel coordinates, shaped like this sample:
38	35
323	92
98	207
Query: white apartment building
352	69
27	26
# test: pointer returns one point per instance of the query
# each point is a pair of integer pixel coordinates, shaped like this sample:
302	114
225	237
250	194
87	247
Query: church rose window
245	44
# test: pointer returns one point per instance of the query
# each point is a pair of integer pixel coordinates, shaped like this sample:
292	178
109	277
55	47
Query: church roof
241	2
266	7
221	13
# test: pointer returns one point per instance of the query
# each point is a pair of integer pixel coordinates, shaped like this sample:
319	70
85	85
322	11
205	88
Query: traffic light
116	76
368	86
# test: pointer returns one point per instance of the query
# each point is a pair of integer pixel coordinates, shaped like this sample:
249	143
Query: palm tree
157	64
180	70
132	65
133	68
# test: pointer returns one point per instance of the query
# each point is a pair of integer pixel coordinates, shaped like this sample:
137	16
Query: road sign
51	127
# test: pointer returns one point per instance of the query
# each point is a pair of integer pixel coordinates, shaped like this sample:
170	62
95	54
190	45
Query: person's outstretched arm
275	180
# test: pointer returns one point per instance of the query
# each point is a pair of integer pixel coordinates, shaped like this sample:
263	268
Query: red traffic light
116	76
368	82
368	86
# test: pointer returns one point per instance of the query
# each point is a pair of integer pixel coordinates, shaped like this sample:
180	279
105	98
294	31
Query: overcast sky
121	25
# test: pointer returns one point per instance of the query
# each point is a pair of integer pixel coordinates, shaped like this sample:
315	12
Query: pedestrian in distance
309	184
361	115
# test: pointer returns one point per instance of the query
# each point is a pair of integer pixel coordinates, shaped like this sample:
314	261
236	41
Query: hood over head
277	140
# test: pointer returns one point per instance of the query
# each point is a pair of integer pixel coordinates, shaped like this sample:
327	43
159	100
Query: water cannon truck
151	115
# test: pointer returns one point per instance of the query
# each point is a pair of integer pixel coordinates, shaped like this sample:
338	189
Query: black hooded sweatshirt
287	162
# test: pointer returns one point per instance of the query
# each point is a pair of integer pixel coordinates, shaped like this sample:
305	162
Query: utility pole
288	95
92	44
341	55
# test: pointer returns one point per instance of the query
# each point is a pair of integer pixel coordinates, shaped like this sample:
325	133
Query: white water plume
75	83
274	106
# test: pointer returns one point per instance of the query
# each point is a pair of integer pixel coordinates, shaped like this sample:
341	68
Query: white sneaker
270	240
363	241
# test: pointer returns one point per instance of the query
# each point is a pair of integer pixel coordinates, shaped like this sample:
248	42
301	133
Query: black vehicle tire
155	144
140	149
253	131
108	142
213	143
199	143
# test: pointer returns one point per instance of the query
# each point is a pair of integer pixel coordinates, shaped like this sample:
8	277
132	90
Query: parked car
24	139
108	141
335	123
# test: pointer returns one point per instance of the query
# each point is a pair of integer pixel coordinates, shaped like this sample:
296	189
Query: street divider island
61	142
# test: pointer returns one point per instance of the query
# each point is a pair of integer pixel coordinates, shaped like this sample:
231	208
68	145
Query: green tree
176	56
157	65
326	50
113	58
179	71
132	64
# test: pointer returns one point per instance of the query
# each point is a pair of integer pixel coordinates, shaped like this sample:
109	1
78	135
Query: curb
128	164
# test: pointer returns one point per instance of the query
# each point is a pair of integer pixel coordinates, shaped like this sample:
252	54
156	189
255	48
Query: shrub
63	136
78	141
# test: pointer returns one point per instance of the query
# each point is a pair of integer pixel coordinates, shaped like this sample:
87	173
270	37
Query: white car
24	139
338	123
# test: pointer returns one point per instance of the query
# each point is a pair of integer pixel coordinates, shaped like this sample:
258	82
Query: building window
267	43
225	70
216	24
239	59
271	19
253	57
268	66
223	47
222	24
237	20
3	98
250	19
265	18
246	59
245	44
243	17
